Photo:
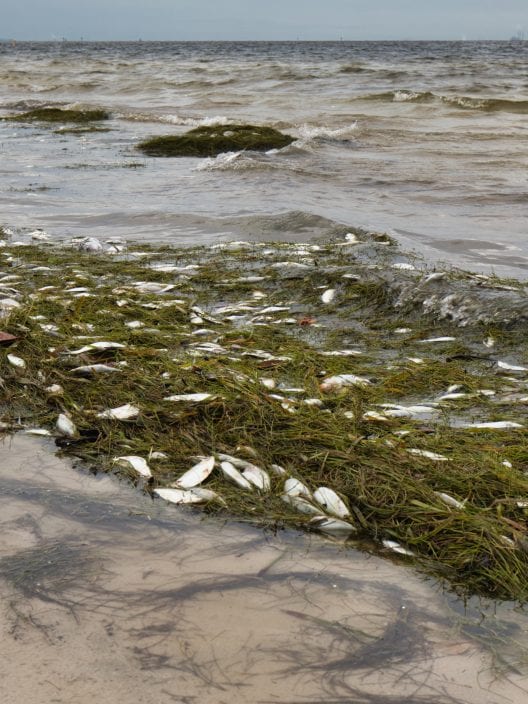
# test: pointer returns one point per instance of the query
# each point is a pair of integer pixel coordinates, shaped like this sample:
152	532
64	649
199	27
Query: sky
262	19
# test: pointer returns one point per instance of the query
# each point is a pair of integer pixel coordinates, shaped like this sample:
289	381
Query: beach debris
124	412
15	361
328	295
138	464
257	476
294	487
396	547
231	472
335	383
428	455
332	526
7	305
6	339
278	470
450	500
329	500
65	426
439	339
187	496
190	398
196	475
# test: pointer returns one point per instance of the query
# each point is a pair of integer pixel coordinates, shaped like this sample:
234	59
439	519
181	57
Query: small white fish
340	353
301	505
268	383
135	324
496	425
91	369
428	455
183	496
157	455
511	367
196	475
120	413
334	383
294	487
190	398
37	431
329	295
101	345
16	361
65	426
137	463
54	390
237	462
439	339
278	470
332	526
450	500
396	547
489	342
329	500
257	476
452	396
375	417
231	472
507	463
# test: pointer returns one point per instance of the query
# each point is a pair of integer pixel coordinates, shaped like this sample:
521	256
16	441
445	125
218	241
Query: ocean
423	140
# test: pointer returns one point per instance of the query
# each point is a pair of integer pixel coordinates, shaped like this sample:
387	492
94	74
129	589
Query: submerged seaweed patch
213	140
143	361
59	115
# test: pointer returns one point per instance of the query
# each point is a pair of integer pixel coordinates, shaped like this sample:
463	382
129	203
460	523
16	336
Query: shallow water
424	139
107	595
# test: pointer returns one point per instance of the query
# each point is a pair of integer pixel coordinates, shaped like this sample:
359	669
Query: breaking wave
457	101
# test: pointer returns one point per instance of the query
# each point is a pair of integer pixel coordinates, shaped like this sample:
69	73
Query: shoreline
343	363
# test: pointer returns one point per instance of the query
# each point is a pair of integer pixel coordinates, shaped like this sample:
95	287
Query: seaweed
54	115
403	449
209	141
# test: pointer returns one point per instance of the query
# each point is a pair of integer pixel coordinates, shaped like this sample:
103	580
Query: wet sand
108	596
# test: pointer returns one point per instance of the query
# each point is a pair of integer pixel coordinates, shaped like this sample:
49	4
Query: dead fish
450	500
54	390
329	500
65	426
328	295
438	339
196	475
185	496
231	472
496	425
396	547
120	413
190	398
429	455
257	476
300	504
237	462
511	367
16	361
37	431
137	463
278	470
334	383
89	244
100	346
91	369
294	487
375	417
332	526
340	353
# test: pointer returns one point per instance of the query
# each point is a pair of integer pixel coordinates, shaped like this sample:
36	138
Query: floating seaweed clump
209	141
231	378
60	115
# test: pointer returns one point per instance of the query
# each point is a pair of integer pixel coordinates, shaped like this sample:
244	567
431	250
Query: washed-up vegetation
209	141
312	385
55	115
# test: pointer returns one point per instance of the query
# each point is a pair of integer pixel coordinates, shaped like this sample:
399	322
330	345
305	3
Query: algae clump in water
213	140
60	115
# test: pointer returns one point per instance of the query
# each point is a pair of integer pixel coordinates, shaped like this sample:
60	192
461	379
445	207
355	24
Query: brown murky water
108	596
